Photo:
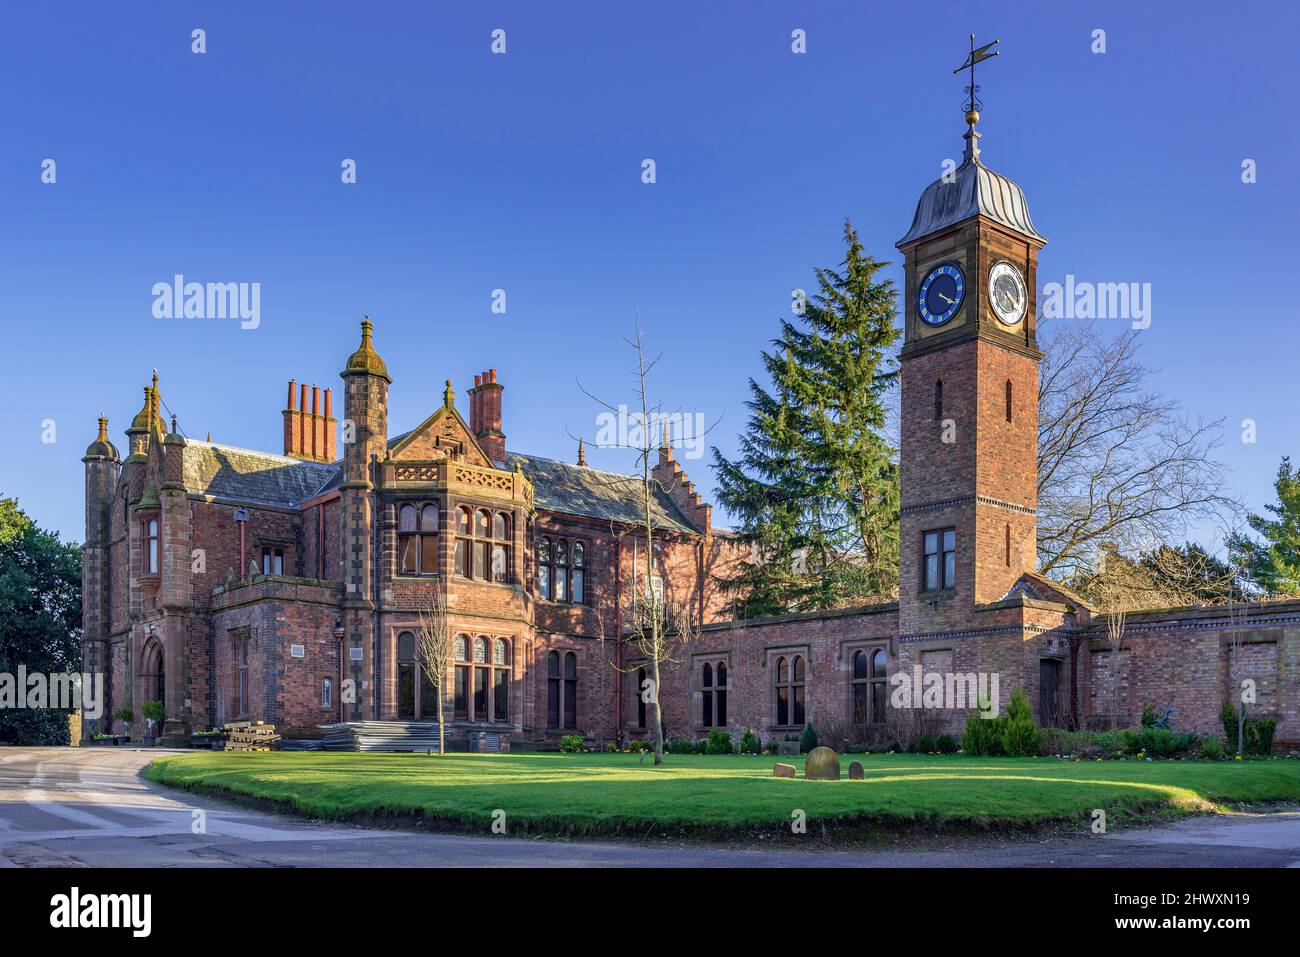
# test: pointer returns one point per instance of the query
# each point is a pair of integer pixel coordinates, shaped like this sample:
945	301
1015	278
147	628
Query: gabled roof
581	490
225	471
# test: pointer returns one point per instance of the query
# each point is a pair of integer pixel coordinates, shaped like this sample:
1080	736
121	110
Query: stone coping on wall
279	587
1265	614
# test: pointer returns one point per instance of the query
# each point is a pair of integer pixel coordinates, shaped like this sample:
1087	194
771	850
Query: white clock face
1007	293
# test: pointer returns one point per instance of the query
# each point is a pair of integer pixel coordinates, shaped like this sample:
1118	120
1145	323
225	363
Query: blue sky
522	172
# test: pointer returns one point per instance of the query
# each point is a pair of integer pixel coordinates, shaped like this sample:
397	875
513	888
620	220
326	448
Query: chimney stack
485	414
309	432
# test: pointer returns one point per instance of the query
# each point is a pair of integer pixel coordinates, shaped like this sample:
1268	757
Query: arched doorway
153	676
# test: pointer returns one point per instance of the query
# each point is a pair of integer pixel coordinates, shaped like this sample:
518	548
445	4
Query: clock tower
969	397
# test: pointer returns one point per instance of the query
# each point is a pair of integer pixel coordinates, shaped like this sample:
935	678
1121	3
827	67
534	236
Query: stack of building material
250	736
381	736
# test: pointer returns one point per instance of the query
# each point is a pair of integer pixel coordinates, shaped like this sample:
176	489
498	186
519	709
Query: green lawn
716	796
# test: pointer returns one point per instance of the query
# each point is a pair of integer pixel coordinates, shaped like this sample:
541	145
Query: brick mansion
234	584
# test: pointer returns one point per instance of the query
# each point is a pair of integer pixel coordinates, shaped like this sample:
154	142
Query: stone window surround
770	655
698	660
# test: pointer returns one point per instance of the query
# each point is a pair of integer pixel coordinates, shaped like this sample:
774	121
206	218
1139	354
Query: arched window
861	688
482	544
406	675
720	695
577	572
1008	400
706	683
500	547
151	546
1008	544
544	569
562	690
639	691
562	570
417	539
713	682
327	694
938	400
462	677
500	680
463	541
879	688
790	691
480	679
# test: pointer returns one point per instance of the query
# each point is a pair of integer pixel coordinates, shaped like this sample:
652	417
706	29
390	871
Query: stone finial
365	360
448	396
582	453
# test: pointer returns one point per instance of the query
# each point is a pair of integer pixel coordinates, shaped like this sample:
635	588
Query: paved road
64	807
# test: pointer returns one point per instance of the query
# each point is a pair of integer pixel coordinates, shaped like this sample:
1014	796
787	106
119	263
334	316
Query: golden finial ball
972	117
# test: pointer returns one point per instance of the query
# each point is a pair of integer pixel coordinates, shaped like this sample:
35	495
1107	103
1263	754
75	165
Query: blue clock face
941	294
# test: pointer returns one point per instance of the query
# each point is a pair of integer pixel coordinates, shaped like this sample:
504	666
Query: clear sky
523	171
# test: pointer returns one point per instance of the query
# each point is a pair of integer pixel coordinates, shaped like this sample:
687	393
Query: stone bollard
783	771
822	764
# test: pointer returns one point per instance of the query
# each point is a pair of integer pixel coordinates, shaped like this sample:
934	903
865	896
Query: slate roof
245	475
581	490
224	471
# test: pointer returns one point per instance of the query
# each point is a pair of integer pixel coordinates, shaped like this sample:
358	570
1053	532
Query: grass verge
720	797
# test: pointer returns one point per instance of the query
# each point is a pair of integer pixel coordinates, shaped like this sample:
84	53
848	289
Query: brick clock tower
969	397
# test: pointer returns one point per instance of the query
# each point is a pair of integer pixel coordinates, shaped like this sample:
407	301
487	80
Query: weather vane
973	104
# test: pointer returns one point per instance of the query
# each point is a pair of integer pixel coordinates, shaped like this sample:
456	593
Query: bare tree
1118	462
653	620
1237	614
434	648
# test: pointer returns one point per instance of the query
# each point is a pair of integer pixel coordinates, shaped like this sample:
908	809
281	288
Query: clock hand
944	298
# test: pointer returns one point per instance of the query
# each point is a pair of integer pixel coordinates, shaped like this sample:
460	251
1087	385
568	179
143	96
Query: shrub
1257	732
809	739
681	746
772	747
749	743
945	744
636	745
1020	736
1212	748
1228	715
571	743
719	743
611	748
152	711
983	735
125	714
1149	717
1259	735
1163	743
700	747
